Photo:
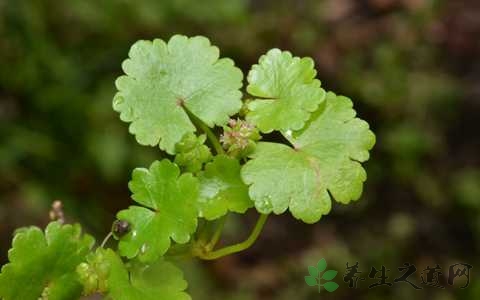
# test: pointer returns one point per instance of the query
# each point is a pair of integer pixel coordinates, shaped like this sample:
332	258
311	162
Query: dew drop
265	204
134	233
144	248
118	100
288	133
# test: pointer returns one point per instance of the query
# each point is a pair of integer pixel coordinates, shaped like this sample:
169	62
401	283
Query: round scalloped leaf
221	189
164	82
324	163
43	265
169	210
286	90
160	280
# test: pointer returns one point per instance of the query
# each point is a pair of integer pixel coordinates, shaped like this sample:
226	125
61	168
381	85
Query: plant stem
105	240
216	235
203	127
211	137
202	231
240	246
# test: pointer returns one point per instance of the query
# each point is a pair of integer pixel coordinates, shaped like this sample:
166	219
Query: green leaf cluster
160	280
181	96
43	264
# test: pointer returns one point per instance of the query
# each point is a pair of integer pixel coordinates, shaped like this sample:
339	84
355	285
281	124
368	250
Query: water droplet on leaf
265	205
288	133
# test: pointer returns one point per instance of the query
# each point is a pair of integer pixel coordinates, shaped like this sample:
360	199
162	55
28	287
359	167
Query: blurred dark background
412	68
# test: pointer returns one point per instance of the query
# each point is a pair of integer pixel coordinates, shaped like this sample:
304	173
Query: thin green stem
105	240
203	127
180	256
202	231
240	246
217	234
211	137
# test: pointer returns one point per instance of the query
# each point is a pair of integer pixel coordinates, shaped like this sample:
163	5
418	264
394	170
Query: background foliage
410	66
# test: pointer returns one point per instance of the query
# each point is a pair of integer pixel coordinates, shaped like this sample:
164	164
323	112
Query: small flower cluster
239	138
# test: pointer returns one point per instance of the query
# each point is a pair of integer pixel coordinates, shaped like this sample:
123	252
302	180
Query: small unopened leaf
94	272
192	153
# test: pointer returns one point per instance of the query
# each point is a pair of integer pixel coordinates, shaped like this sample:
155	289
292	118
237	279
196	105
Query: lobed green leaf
160	280
221	189
324	163
42	265
165	82
168	213
286	90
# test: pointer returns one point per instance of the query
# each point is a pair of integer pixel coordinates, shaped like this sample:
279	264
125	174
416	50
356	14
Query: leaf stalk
240	246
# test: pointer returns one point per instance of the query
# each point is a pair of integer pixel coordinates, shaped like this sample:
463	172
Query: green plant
176	96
